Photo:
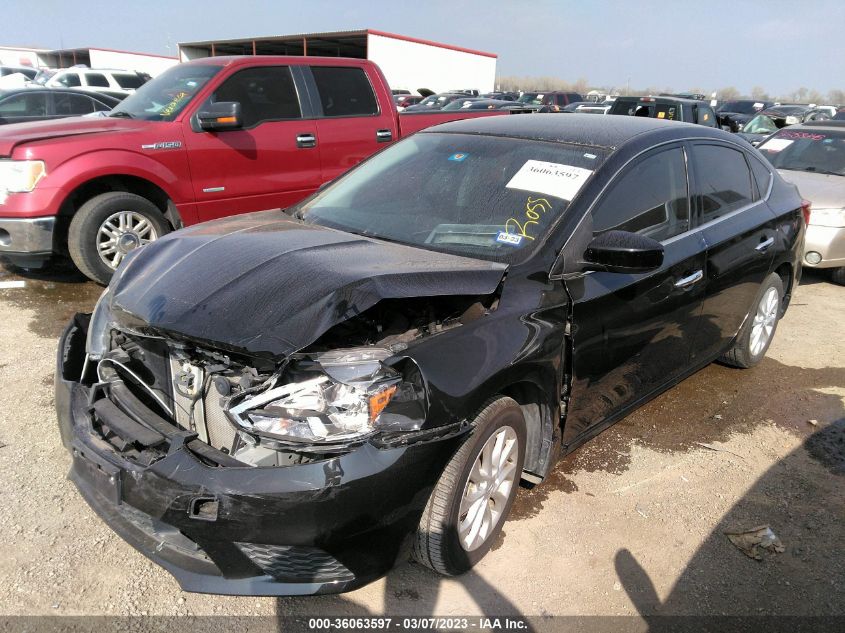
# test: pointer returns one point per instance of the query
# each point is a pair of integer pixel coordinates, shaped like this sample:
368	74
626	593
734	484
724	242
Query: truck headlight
834	218
20	176
99	329
341	401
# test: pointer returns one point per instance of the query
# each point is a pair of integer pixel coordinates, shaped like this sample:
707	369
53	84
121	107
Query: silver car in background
812	156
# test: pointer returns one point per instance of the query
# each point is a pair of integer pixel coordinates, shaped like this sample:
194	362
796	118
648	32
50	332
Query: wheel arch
113	182
787	276
543	435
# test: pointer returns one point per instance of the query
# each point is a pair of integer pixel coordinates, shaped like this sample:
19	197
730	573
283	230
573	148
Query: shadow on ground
802	499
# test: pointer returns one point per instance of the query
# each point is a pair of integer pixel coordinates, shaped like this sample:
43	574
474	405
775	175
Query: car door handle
306	140
686	282
384	136
764	245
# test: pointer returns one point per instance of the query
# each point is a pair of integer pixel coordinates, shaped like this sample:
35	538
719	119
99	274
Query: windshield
742	107
760	124
43	77
534	98
479	196
803	150
434	100
458	104
163	98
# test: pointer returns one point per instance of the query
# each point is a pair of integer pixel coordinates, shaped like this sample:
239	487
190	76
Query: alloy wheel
121	233
764	321
488	488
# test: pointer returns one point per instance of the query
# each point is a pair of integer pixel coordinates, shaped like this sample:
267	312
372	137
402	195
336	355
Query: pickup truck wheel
838	275
109	226
473	496
757	332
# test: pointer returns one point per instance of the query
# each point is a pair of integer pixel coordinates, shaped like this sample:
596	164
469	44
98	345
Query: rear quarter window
762	175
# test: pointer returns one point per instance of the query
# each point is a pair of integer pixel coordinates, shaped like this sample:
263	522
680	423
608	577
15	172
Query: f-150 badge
163	145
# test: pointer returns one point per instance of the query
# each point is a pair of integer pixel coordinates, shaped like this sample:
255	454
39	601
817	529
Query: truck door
271	162
350	125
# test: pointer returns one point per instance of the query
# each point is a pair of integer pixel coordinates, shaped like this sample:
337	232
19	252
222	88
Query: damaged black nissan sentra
291	402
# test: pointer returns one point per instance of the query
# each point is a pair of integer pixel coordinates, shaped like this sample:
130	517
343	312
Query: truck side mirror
223	115
623	252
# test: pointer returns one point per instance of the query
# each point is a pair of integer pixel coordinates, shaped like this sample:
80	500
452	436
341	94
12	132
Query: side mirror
623	252
224	115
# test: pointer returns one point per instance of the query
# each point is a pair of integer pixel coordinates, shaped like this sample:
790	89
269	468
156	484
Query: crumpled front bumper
322	527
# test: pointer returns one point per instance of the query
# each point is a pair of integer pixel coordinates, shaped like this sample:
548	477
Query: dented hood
266	284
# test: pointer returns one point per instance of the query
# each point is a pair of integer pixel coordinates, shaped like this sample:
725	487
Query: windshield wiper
122	113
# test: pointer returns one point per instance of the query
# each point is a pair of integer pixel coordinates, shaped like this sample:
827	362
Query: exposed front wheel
473	496
108	227
757	333
837	275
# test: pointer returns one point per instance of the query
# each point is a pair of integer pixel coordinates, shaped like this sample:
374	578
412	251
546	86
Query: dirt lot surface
631	523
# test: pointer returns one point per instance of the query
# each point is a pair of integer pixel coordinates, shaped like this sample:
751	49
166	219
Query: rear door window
706	116
128	80
70	80
345	91
651	198
97	79
723	181
668	111
72	105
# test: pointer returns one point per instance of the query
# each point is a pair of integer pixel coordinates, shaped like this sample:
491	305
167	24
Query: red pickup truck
206	139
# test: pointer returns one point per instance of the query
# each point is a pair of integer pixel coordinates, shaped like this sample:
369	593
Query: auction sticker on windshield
777	144
553	179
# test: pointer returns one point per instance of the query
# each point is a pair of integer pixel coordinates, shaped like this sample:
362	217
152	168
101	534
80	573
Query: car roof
605	132
37	89
661	98
829	123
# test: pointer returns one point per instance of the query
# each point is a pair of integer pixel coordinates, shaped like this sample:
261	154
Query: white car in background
94	79
812	157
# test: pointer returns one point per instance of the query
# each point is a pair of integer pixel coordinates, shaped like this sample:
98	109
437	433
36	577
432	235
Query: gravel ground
630	524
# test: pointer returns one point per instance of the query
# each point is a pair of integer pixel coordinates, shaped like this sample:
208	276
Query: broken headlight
340	400
99	329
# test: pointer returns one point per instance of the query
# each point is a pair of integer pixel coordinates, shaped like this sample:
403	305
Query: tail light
805	209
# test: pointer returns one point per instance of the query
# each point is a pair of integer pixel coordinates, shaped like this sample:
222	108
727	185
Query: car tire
443	541
837	275
758	331
126	219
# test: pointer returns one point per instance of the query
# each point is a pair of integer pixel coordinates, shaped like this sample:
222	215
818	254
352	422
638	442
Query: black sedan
38	104
288	403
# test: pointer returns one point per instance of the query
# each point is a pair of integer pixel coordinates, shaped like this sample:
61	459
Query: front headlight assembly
99	329
19	176
341	397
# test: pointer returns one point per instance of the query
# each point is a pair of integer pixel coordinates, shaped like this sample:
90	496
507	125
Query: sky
709	44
